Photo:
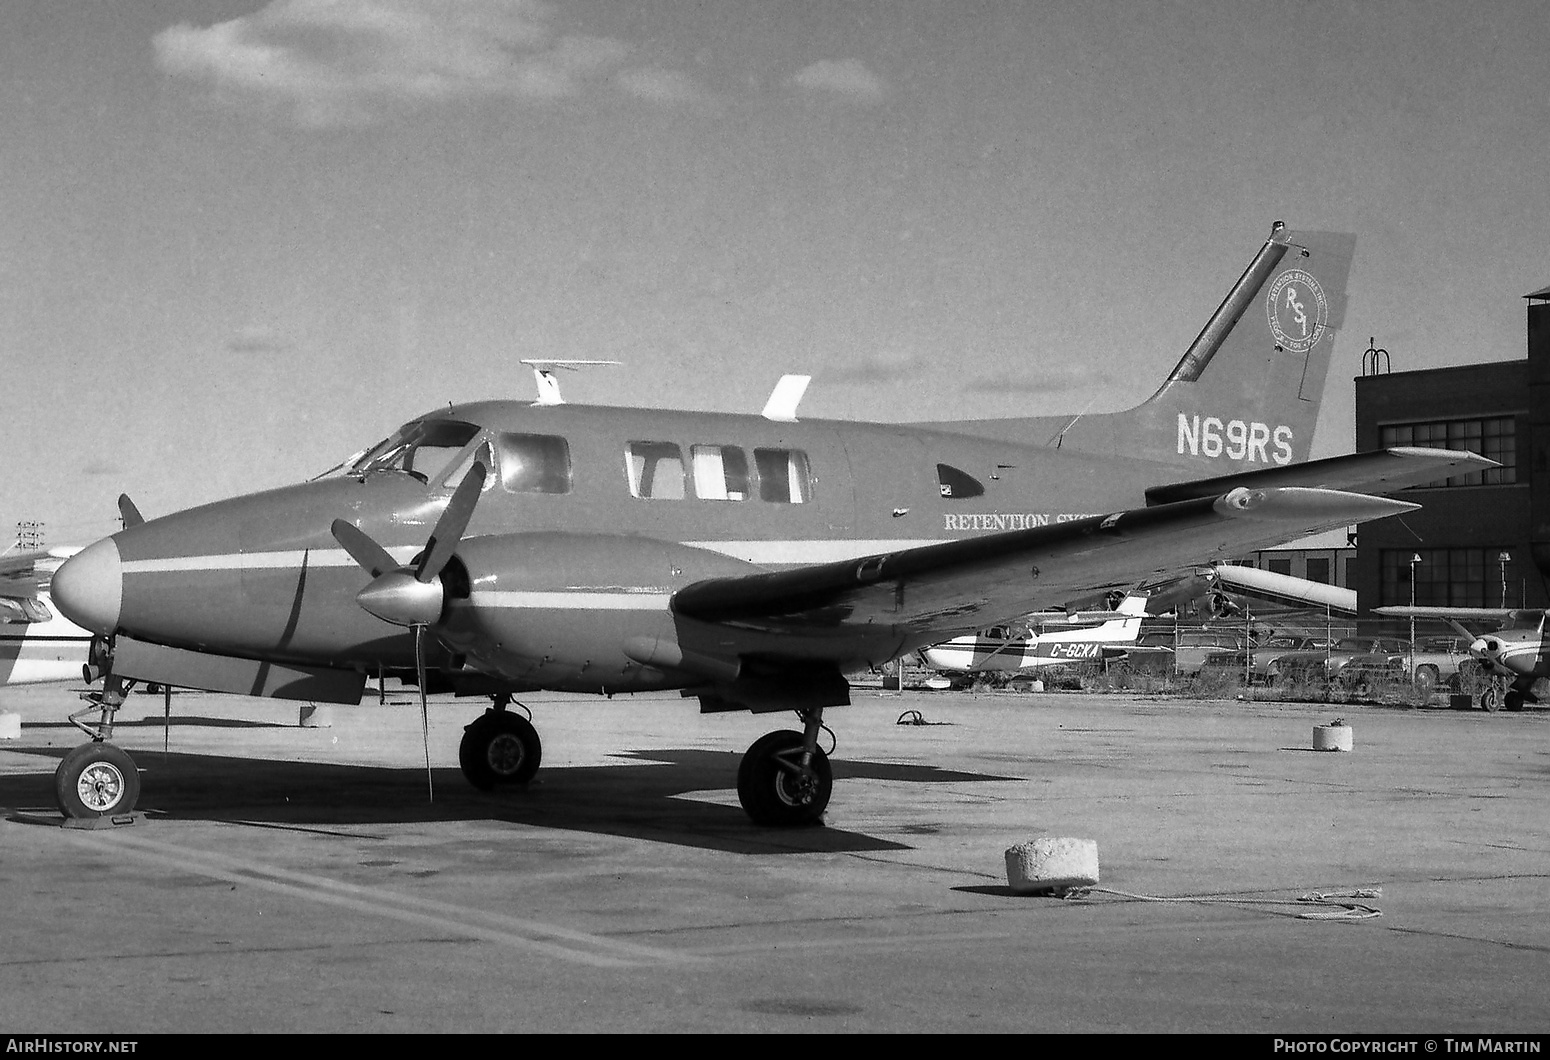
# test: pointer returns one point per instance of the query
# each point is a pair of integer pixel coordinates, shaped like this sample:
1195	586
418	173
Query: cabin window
955	484
656	470
784	476
534	463
720	472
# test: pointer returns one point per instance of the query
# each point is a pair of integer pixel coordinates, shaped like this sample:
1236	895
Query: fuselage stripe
571	601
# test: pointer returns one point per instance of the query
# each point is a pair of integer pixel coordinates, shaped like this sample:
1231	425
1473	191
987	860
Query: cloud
97	467
844	77
897	367
258	341
1044	379
343	62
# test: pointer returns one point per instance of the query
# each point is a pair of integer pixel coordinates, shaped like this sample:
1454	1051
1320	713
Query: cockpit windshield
423	448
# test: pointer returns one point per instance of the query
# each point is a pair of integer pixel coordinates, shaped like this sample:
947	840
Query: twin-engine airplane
1518	651
750	561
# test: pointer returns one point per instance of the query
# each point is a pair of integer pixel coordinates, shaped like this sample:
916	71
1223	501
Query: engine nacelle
559	608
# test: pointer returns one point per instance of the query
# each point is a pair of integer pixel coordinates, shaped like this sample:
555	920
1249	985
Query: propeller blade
372	557
128	512
425	716
449	529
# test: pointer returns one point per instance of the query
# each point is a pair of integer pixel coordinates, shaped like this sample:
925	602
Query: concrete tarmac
289	878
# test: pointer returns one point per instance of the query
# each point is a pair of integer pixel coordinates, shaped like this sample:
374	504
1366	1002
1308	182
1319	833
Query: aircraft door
894	485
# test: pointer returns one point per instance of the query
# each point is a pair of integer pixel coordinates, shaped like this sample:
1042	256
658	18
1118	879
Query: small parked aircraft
1042	640
1518	651
750	561
36	644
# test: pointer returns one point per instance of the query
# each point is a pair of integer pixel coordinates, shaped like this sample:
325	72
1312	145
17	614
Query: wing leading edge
964	585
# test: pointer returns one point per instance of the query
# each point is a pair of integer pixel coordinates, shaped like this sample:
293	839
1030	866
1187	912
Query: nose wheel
96	780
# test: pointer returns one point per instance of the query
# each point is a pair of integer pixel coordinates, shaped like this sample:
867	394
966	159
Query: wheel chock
113	820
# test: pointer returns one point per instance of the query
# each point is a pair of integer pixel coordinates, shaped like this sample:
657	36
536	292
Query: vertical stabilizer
1246	393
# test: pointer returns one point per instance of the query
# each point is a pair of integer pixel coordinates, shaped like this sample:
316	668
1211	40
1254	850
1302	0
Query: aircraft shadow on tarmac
635	800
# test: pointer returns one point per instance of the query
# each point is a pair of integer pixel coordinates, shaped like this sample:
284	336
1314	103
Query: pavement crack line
516	932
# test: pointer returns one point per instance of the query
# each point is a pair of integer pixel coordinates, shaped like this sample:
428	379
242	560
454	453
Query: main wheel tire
96	780
499	748
1513	701
771	790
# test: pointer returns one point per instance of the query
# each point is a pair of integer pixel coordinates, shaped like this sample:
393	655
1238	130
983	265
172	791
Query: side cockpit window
534	463
425	449
784	476
656	470
955	484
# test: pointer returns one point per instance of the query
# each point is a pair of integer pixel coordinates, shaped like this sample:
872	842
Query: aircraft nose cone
1478	648
89	587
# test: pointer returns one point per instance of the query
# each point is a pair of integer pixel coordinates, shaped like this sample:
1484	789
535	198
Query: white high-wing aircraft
37	644
1049	640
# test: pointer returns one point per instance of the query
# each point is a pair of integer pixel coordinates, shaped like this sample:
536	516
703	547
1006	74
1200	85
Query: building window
1280	565
1445	577
1494	437
1318	570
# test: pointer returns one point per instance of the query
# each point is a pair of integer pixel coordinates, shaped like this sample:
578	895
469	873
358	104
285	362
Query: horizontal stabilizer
1286	587
1378	471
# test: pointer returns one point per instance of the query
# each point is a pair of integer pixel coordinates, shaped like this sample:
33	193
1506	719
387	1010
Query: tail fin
1246	393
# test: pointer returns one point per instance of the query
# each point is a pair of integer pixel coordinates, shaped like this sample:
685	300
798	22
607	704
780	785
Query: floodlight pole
1502	558
1415	557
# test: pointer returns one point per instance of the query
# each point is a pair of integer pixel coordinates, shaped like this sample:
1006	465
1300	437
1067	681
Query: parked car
1319	666
1182	651
1437	662
1256	661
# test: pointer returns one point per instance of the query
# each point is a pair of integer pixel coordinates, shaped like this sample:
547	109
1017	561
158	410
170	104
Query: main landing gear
98	779
785	779
499	747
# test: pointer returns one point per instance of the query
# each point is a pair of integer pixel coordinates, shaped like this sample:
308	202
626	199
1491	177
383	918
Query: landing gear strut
98	779
499	748
785	779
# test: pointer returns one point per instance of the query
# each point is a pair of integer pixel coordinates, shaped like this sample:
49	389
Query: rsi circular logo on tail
1298	311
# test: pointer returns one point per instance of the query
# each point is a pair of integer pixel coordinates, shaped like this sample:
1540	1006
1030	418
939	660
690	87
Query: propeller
414	596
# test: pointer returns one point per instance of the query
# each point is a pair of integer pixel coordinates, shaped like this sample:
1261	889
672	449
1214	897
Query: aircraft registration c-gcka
750	561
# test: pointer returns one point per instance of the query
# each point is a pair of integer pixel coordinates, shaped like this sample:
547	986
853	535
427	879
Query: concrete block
1045	865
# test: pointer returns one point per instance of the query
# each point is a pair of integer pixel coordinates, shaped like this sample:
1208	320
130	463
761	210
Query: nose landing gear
98	779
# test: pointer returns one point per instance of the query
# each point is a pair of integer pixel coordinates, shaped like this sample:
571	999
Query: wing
1378	471
1504	617
25	573
924	593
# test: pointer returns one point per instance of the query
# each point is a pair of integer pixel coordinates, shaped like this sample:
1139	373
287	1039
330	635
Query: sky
243	240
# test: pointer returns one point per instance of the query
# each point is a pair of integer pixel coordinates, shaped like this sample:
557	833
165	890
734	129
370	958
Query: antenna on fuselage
784	399
549	383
